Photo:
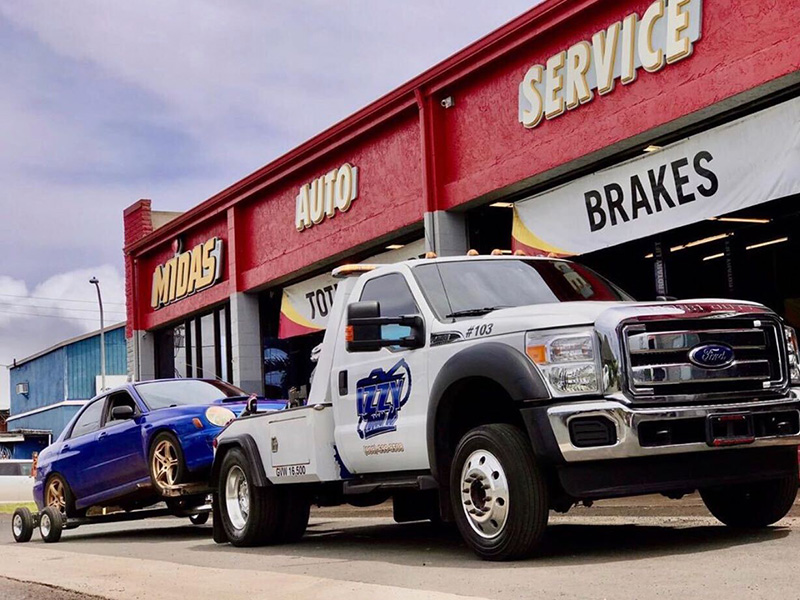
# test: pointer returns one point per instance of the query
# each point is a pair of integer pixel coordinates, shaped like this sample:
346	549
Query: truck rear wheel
757	504
251	516
498	493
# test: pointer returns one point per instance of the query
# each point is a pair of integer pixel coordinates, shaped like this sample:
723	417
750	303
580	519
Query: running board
365	486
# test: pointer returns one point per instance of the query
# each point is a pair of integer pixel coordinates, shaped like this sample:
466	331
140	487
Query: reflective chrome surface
627	420
662	357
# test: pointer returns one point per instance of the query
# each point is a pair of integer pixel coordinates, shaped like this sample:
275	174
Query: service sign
735	166
187	272
323	197
663	35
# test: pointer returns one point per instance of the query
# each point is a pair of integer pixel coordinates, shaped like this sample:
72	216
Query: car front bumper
627	421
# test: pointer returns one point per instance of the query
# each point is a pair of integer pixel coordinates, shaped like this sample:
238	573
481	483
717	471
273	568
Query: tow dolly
51	522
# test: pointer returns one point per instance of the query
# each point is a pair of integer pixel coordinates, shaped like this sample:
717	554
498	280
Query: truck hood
569	314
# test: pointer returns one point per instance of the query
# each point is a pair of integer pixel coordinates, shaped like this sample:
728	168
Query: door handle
102	435
343	383
65	447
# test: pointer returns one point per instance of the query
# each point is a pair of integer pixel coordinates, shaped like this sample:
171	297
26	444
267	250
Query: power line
4	303
23	314
59	299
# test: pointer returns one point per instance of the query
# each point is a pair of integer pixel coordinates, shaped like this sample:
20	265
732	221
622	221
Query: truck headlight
567	359
793	351
219	416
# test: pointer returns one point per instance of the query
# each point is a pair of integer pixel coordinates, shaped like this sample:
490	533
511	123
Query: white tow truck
491	390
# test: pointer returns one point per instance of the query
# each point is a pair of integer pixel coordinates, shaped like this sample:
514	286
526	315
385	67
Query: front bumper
627	421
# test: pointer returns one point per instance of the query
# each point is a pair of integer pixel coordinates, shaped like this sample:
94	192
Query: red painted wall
389	198
474	148
743	45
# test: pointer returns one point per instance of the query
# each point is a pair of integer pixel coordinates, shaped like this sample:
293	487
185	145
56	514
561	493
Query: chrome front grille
658	364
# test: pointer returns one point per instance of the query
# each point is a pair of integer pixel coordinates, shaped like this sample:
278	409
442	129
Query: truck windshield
475	286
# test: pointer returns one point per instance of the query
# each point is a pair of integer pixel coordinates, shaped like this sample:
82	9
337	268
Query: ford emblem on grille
711	356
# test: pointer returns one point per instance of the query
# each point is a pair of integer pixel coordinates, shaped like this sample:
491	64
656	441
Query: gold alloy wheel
56	495
164	465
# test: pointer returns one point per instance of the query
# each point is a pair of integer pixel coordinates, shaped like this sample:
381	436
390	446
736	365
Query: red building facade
450	157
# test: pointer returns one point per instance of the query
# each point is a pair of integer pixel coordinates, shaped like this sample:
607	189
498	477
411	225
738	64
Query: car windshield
182	392
474	286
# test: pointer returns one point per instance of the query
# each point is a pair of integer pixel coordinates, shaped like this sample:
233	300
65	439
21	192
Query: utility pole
96	282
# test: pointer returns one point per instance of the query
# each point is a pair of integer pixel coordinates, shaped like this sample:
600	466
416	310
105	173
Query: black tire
296	508
199	519
180	468
752	505
504	454
51	524
22	525
263	522
68	509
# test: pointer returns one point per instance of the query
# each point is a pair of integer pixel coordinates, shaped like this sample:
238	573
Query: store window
196	347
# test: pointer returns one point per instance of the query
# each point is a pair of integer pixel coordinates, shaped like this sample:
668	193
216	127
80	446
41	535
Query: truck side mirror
368	331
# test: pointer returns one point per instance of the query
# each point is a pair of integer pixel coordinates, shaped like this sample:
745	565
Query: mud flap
218	531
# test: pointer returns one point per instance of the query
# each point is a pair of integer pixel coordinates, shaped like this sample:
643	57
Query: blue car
126	447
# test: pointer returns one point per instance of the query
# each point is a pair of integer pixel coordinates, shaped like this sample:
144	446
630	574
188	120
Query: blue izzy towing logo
712	356
379	398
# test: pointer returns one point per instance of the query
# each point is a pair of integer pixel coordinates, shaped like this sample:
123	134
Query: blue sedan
128	446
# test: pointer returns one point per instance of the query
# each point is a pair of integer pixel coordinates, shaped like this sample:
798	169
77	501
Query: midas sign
321	198
663	35
187	272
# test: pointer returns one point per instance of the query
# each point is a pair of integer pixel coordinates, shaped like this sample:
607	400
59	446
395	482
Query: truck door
381	397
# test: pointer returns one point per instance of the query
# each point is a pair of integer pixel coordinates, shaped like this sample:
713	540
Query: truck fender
501	363
248	445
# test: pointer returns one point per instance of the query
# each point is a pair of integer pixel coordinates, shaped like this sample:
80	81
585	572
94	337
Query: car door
121	460
381	397
78	457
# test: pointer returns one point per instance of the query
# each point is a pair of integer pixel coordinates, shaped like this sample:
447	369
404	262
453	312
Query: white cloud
58	308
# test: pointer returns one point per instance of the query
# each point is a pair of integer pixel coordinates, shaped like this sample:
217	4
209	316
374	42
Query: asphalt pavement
646	548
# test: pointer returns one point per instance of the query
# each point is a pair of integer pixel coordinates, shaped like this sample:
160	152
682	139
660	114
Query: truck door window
395	298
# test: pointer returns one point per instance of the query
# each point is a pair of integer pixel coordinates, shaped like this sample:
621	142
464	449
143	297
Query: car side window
395	298
89	420
119	399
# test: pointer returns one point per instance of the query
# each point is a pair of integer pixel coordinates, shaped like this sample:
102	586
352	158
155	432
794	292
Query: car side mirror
368	331
122	413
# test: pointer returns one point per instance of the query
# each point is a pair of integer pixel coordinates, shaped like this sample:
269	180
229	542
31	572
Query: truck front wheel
498	493
250	515
756	504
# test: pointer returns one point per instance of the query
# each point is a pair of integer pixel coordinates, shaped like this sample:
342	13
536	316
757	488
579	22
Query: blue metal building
48	388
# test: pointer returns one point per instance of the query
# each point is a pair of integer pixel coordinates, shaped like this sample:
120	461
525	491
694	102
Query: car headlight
219	415
793	351
567	360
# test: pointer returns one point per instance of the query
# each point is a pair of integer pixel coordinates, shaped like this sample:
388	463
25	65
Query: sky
103	103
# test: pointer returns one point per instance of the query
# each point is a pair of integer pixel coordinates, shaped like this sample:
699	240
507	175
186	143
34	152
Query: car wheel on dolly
199	519
58	495
51	524
250	515
166	462
22	525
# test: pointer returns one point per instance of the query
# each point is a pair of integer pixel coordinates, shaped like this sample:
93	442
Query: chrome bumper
627	420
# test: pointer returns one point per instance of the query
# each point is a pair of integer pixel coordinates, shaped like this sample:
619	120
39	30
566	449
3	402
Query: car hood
568	314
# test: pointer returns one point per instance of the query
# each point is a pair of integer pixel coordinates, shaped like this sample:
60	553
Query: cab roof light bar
352	270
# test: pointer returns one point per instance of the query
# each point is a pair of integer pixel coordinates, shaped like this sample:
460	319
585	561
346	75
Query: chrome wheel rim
237	497
165	464
484	494
56	495
16	526
45	525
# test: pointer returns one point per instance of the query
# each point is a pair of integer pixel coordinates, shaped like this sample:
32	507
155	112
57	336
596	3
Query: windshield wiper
473	312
